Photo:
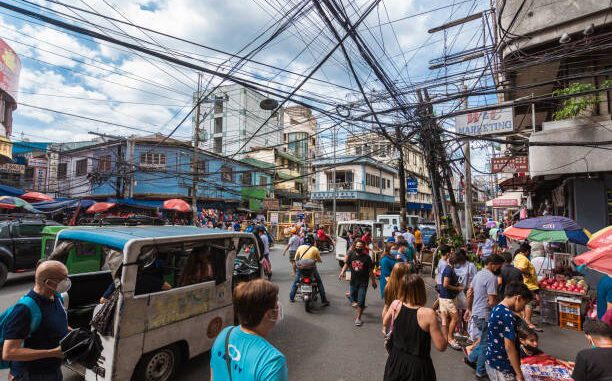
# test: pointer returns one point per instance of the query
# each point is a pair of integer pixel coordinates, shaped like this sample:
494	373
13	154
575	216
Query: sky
121	92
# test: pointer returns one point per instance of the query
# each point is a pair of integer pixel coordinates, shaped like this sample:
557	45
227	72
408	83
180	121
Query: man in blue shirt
502	351
36	356
241	353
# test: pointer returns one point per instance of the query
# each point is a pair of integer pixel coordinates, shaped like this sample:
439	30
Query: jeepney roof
118	236
361	222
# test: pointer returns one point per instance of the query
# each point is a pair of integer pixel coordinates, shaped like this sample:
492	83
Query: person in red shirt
367	237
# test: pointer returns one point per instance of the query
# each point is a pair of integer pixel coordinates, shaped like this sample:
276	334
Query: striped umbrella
548	229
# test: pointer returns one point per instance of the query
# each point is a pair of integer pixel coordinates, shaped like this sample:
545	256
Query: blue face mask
394	252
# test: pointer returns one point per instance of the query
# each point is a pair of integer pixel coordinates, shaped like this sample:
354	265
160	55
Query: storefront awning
508	200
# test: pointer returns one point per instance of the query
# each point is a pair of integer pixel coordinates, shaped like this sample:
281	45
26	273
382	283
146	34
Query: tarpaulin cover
6	190
148	204
59	205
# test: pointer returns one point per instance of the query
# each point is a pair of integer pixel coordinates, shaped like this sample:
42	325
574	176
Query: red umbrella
177	205
36	197
601	238
599	259
100	207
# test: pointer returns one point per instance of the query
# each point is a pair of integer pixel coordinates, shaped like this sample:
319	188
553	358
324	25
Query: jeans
319	285
54	376
478	353
358	294
497	375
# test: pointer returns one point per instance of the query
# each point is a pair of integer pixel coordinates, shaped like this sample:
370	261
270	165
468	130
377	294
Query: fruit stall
564	296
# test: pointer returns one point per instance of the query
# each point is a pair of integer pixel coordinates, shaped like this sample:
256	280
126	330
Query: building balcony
559	160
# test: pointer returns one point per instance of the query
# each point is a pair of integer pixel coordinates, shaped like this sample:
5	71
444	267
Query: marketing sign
485	122
510	164
505	202
10	66
16	169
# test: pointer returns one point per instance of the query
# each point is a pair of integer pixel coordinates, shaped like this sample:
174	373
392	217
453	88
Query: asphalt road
325	344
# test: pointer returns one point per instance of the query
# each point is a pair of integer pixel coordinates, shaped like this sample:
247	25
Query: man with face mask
36	356
594	364
362	270
241	353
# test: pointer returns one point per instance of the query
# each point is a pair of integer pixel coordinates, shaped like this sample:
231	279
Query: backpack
35	318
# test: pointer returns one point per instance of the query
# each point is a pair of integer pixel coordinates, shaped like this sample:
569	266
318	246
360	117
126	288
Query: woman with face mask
242	352
390	257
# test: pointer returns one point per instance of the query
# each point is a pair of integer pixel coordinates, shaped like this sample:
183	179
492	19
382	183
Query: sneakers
325	303
358	323
469	363
483	378
354	304
454	345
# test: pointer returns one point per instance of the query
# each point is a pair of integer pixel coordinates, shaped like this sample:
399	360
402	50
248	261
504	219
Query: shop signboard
6	149
485	122
412	185
10	66
274	218
37	162
510	164
505	202
271	204
16	169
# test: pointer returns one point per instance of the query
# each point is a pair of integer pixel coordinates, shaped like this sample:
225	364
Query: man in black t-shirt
362	267
594	364
508	273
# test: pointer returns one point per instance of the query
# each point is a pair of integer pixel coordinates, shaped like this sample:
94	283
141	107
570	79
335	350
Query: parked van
358	228
154	329
391	220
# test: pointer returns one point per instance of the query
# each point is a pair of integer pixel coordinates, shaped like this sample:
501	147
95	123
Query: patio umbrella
491	224
8	202
602	238
548	229
100	207
599	259
36	197
177	205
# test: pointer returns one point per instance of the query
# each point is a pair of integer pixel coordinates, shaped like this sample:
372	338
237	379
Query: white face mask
279	313
62	286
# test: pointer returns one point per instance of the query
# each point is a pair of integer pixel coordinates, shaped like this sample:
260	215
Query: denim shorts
52	376
358	293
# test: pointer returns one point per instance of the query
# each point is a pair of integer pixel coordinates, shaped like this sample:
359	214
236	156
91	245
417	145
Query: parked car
20	245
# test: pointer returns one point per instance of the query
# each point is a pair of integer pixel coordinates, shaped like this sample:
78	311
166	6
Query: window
81	167
246	178
388	183
218	105
218	145
202	167
358	150
227	174
218	125
29	173
153	160
104	163
62	170
263	181
33	230
384	184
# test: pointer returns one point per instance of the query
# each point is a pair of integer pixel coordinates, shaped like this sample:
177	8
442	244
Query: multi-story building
299	140
156	168
232	122
364	187
560	48
288	179
419	200
10	67
28	169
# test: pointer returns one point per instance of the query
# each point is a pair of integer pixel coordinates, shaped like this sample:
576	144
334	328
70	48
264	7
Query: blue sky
77	75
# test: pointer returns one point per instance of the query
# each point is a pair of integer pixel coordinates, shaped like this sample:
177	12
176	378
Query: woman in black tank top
414	329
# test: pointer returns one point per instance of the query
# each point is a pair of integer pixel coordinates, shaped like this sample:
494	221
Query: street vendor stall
564	294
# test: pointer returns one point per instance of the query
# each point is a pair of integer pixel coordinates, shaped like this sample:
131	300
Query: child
529	341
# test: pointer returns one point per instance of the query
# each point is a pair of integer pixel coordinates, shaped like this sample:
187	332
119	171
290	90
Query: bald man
36	356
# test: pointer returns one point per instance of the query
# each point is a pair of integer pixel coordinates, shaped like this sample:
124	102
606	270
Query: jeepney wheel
3	274
159	365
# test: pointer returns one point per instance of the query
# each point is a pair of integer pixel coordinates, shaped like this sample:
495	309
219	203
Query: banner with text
485	122
510	164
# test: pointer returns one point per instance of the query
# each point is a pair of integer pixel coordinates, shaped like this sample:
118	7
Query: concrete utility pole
334	181
468	180
195	167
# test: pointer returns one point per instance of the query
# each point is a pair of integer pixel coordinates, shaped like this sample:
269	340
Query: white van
358	227
391	220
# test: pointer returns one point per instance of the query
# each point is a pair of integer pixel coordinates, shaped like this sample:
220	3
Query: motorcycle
307	287
325	246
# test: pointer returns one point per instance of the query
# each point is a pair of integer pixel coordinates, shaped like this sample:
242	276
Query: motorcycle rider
308	251
322	237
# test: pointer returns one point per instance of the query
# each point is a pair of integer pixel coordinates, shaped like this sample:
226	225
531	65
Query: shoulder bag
389	334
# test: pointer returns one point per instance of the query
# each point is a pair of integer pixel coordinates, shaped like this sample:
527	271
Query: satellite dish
268	104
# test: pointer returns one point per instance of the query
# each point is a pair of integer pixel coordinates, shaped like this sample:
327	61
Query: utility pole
334	181
195	167
401	175
468	180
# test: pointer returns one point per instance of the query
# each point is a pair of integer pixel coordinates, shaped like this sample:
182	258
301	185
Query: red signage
505	202
510	164
10	66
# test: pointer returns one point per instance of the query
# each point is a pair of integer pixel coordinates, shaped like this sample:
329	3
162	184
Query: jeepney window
180	265
343	230
378	230
384	221
85	249
49	245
